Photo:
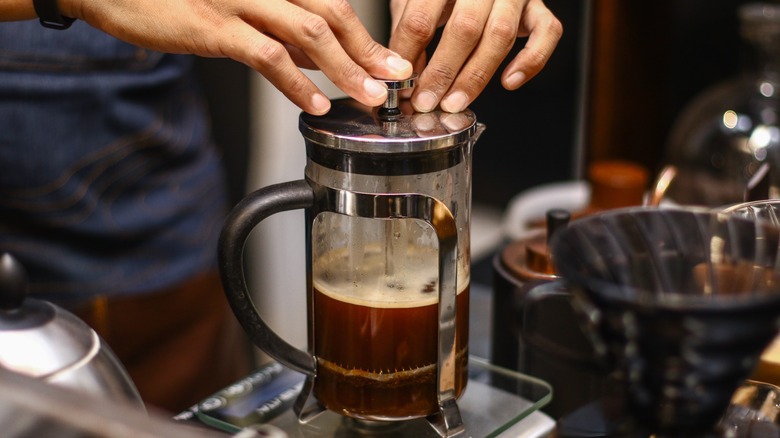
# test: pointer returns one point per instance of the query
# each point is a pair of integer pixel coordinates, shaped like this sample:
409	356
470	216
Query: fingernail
515	80
374	89
424	102
399	65
320	103
455	102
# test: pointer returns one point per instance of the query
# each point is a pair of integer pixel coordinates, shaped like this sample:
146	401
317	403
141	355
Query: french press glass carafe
387	196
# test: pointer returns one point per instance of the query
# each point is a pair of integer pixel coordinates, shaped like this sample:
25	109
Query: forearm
16	10
277	38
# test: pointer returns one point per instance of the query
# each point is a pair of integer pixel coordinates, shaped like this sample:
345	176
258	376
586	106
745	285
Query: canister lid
616	183
392	128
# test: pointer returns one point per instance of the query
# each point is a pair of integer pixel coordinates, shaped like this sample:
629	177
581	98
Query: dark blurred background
621	74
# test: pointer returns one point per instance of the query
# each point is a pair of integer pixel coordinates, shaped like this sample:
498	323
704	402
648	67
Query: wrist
69	8
50	15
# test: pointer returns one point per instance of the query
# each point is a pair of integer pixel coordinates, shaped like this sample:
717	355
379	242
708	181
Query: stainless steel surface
351	126
389	110
30	408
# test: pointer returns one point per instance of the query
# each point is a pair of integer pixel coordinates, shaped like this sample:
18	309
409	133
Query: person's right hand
274	37
477	37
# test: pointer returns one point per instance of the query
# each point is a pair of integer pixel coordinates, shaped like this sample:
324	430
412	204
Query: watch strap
50	16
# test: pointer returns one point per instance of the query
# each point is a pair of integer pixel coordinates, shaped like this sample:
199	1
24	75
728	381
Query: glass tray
495	399
754	411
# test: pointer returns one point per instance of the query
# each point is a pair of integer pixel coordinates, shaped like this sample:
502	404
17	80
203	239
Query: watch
50	16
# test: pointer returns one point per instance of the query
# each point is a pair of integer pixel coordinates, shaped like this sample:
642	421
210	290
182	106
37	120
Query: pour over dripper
679	303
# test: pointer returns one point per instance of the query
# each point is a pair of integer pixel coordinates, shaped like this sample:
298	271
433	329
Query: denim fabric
108	181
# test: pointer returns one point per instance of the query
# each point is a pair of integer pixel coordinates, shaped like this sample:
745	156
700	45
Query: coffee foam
413	282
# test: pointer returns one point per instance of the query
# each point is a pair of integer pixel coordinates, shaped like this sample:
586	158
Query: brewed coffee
377	344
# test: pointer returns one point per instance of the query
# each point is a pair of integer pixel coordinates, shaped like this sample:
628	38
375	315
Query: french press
387	196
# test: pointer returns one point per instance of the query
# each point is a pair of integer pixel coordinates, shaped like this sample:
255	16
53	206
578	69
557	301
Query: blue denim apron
109	183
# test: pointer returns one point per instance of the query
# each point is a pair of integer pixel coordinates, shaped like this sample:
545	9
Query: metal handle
241	221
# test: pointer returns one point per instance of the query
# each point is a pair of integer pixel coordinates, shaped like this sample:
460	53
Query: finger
397	8
416	25
461	35
300	58
544	32
498	38
312	34
377	60
270	58
419	65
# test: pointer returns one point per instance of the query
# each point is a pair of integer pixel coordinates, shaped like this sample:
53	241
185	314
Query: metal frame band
386	164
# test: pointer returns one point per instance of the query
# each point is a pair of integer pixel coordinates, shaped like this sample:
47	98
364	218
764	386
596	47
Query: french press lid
392	128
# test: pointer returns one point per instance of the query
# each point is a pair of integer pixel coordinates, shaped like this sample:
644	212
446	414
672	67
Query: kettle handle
255	207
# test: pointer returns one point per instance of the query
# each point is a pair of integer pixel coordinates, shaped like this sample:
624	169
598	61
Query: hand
478	35
274	37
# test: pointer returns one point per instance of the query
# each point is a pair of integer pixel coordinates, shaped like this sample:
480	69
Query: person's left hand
478	35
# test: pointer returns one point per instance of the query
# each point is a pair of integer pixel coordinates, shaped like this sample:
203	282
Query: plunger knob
389	110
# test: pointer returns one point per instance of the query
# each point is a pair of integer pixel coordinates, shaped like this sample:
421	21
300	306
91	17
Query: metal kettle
45	341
